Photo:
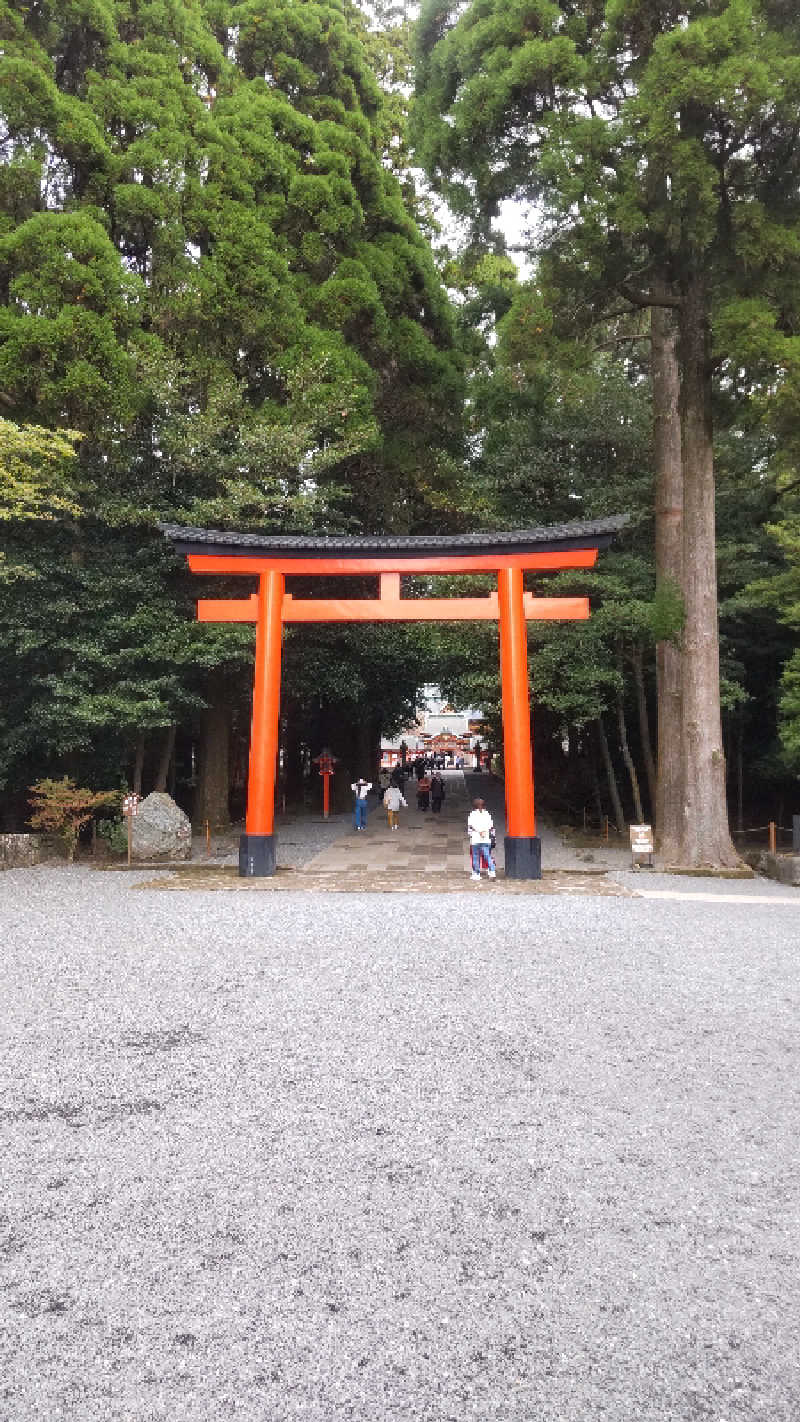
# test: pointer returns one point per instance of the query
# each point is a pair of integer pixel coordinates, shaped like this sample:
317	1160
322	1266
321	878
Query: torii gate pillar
523	850
508	554
257	844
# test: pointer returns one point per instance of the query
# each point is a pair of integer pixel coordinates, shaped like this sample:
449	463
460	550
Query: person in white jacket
480	828
393	799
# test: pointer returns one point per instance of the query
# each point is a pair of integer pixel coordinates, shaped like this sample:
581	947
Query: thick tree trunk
705	838
364	748
644	725
740	775
628	760
165	760
613	789
668	798
211	801
598	799
138	764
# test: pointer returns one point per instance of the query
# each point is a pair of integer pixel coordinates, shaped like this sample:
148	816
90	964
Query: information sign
641	844
130	806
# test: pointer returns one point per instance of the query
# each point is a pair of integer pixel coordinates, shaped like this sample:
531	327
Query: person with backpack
480	829
437	793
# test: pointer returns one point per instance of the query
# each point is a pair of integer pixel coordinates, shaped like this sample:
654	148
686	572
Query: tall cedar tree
660	140
208	272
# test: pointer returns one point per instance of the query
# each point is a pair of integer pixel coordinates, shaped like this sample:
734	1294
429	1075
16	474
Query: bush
114	834
63	808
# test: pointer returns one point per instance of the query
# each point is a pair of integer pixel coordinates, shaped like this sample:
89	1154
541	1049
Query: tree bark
705	838
211	801
613	789
628	759
598	799
165	760
668	797
138	764
740	775
644	724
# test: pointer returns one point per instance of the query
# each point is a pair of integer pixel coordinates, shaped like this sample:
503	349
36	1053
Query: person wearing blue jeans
480	830
360	790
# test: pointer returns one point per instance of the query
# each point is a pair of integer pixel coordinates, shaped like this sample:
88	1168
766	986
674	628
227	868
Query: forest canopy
226	302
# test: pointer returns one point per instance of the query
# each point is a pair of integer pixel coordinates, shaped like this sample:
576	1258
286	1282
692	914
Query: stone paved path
428	853
435	843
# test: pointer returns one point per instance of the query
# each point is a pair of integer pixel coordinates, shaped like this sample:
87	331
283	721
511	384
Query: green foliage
207	270
61	807
114	834
36	469
659	144
667	614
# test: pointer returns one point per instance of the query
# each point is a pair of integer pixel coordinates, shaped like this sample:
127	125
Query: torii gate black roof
549	538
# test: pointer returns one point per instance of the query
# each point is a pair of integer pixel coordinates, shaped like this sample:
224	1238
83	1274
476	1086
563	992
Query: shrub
114	834
63	808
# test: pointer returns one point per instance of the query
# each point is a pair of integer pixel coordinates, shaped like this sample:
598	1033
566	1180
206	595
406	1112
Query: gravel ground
294	1157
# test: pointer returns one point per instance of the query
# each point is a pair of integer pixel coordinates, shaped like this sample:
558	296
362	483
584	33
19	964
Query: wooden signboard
642	845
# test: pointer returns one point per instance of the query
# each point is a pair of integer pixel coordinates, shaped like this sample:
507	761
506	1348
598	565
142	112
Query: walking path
435	843
428	844
429	853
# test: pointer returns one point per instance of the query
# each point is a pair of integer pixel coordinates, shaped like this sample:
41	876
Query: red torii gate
274	557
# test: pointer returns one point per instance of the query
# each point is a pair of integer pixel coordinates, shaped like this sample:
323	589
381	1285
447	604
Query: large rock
161	830
19	851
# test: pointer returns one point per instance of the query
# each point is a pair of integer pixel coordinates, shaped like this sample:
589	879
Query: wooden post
773	837
257	848
522	848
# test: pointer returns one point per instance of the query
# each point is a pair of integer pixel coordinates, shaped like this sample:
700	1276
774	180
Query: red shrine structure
272	558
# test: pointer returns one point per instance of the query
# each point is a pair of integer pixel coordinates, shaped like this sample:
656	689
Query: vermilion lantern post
326	763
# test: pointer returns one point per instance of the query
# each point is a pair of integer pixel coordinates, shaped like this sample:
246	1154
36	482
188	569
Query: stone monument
161	830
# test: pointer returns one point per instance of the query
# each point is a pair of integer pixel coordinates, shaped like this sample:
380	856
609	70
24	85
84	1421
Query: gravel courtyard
362	1156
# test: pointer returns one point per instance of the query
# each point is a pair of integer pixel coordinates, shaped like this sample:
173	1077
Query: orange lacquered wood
538	609
460	563
266	706
231	609
520	816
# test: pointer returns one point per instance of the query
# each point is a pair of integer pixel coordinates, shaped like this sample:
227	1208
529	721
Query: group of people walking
480	826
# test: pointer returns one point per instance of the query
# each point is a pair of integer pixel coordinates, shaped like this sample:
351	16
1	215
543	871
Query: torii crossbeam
271	558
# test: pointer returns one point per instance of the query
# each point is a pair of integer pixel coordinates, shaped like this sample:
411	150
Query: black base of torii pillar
523	856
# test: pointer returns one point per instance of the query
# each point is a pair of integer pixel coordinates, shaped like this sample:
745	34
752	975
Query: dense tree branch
657	295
